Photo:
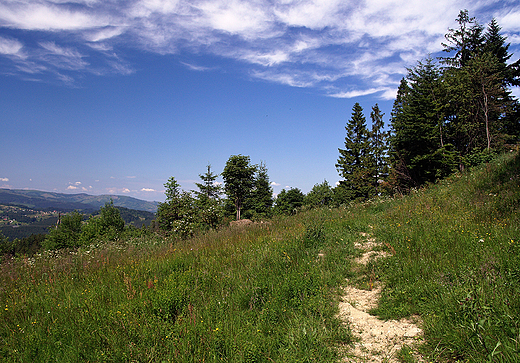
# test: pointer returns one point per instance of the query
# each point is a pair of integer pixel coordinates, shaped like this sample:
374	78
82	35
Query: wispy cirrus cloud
10	47
349	47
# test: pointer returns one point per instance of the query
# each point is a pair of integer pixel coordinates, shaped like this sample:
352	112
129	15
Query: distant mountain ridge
41	200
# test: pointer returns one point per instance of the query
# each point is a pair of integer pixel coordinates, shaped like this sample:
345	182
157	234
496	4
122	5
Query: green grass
254	295
457	263
263	293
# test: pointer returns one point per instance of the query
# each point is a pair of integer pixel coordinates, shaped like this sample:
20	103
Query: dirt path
379	341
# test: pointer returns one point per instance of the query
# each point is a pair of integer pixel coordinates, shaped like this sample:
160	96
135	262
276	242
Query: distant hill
41	200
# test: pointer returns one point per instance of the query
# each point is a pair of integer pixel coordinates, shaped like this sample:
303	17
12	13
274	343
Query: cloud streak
341	48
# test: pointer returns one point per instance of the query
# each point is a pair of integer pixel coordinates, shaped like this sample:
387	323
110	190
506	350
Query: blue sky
109	96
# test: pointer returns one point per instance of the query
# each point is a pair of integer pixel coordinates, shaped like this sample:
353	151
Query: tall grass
457	263
256	295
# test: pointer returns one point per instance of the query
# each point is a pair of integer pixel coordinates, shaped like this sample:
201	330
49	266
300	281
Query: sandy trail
379	341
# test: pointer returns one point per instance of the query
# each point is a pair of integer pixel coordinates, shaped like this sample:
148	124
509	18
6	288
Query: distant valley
26	212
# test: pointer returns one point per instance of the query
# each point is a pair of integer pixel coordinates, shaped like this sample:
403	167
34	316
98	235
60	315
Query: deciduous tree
239	180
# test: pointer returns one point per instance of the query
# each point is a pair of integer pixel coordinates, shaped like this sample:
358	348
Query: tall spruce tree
509	74
455	115
379	146
355	163
495	43
465	41
419	153
479	107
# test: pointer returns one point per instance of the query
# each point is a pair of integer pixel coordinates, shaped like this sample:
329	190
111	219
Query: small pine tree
261	200
321	195
208	202
176	214
288	202
208	189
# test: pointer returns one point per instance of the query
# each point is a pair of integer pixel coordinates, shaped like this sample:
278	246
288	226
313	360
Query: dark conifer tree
495	43
465	41
354	164
379	146
419	153
456	115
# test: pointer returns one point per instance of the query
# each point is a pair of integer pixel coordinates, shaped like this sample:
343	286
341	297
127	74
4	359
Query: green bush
66	234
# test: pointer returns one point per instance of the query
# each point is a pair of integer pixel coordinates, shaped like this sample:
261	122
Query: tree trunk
486	117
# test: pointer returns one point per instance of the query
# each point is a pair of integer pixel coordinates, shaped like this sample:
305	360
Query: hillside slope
455	261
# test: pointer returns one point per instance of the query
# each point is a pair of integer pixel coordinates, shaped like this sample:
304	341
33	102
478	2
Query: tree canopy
239	180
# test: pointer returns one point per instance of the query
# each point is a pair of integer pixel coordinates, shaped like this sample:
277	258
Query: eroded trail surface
379	340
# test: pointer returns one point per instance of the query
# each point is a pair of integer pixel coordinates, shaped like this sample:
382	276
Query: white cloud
509	20
275	184
347	46
104	34
514	39
194	67
43	15
313	14
77	183
62	57
267	59
148	190
237	17
72	187
125	190
356	93
10	46
4	179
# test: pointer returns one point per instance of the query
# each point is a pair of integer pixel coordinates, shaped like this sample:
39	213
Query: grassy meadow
268	292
